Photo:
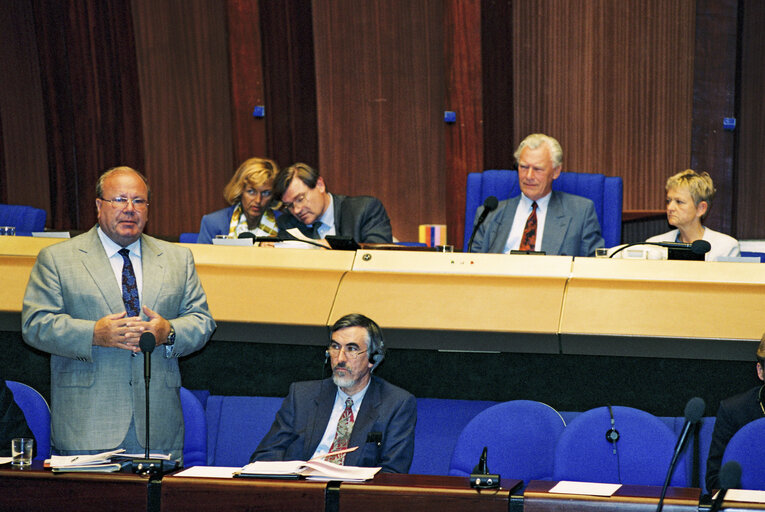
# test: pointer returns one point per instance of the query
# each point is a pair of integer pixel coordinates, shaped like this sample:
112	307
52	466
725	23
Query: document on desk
314	469
93	463
745	496
209	472
585	488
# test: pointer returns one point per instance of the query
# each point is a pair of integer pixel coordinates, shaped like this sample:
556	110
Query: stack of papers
313	469
99	462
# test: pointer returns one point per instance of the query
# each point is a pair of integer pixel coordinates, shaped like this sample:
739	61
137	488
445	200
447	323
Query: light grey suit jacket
571	226
96	391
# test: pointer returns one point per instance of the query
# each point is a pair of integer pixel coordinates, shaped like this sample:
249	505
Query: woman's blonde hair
254	172
700	186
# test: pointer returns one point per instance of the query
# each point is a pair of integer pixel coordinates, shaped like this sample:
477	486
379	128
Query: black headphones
612	435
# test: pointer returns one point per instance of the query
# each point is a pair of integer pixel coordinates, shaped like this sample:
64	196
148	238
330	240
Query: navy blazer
362	218
386	410
734	412
571	226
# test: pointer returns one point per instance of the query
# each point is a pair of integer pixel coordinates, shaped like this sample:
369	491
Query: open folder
314	469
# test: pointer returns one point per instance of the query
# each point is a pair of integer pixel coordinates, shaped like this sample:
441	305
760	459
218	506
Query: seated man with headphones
350	409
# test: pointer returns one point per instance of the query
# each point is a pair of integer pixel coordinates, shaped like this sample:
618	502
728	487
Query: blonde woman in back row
689	198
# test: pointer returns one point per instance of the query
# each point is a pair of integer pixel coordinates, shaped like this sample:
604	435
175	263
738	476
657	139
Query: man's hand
119	331
156	325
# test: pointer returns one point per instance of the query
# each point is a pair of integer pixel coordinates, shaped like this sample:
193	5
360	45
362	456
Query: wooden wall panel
182	59
613	82
714	98
464	140
246	58
379	69
290	81
23	172
751	130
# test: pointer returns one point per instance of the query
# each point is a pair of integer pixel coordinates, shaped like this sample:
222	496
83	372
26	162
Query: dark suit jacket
362	218
571	226
303	417
734	413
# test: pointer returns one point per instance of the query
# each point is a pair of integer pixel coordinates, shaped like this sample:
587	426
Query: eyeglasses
351	351
138	203
298	202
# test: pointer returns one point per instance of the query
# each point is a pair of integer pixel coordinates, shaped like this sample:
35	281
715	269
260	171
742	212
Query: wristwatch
170	340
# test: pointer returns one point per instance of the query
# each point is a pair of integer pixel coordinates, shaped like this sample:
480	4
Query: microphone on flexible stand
480	478
675	250
694	410
730	478
489	205
147	465
247	234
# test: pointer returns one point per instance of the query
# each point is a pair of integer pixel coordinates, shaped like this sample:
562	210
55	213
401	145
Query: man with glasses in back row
317	213
87	303
350	409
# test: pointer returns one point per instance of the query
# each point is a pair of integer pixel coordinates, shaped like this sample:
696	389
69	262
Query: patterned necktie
129	288
343	434
529	238
315	230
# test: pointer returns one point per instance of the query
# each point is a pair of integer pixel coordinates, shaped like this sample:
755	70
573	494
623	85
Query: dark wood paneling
464	139
714	97
245	54
290	81
182	60
751	185
612	81
379	68
23	172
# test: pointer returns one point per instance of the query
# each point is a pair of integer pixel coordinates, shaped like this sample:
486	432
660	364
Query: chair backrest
25	219
235	426
605	191
439	423
747	448
640	456
37	413
520	436
195	430
188	238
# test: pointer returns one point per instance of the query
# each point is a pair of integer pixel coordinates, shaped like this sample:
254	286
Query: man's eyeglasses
297	203
121	203
351	351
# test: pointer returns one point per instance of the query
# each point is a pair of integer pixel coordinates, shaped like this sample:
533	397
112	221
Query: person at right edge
735	412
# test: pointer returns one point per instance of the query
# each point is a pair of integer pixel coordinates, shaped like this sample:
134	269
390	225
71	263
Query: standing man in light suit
540	218
87	303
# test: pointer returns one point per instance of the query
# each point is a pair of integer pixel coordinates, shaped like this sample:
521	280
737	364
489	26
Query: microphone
480	478
246	234
489	205
697	247
730	478
694	410
147	343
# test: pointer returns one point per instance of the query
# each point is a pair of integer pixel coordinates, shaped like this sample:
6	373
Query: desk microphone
694	410
489	205
730	478
147	465
697	247
247	234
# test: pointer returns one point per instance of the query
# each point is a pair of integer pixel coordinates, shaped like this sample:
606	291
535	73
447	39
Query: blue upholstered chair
235	426
25	219
604	191
520	436
188	238
747	448
642	456
195	430
37	414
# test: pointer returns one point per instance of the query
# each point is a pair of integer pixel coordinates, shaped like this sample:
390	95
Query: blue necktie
129	288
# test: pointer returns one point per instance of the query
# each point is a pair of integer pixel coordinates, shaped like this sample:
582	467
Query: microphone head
694	409
730	475
147	342
490	204
700	247
246	234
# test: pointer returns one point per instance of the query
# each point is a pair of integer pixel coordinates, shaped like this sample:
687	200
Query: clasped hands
121	331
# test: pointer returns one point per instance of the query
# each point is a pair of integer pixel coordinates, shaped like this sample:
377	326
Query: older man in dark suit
540	219
316	213
352	409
